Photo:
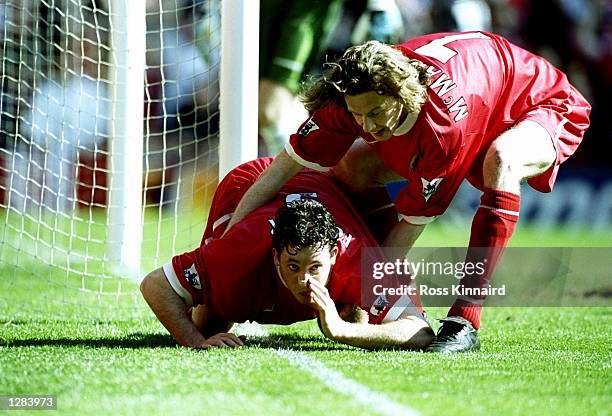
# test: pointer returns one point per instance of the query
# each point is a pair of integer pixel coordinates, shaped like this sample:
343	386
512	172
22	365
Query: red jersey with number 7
481	85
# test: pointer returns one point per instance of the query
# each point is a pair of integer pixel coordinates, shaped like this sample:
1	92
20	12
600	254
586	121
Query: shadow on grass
140	340
130	341
295	342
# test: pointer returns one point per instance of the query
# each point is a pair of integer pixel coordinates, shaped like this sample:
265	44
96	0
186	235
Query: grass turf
533	361
101	351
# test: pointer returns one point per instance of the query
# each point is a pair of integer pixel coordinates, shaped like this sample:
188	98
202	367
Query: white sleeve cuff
303	162
402	308
176	285
418	220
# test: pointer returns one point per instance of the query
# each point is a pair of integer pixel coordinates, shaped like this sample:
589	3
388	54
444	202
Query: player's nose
303	279
368	125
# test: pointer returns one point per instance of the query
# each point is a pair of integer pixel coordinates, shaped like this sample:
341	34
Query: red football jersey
480	86
235	275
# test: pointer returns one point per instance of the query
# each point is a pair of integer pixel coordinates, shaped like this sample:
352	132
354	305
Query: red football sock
492	228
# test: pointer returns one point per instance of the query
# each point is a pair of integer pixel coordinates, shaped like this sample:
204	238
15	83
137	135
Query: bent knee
522	152
500	163
528	145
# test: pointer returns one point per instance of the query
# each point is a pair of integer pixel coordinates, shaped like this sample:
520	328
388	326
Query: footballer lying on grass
296	258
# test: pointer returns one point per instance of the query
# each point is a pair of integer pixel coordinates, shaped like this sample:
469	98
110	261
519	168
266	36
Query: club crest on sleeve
308	128
192	276
380	304
430	187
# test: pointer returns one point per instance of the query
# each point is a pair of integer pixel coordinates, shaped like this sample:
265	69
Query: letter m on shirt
461	108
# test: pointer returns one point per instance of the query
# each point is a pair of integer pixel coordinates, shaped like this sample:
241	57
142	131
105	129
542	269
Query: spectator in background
600	76
460	15
293	35
571	34
182	89
380	20
68	112
184	76
416	17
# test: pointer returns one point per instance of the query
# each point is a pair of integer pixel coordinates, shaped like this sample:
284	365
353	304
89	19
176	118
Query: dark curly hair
304	223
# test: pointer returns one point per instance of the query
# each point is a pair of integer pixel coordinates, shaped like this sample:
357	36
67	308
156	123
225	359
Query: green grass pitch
104	354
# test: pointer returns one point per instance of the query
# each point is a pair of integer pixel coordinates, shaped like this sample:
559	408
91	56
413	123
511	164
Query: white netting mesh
55	136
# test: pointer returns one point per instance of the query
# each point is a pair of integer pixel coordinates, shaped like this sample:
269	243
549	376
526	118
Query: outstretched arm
409	333
171	311
266	186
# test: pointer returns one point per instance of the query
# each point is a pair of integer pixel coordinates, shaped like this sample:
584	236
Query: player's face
379	115
296	267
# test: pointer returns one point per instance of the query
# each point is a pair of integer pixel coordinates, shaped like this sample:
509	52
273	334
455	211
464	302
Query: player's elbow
151	285
145	285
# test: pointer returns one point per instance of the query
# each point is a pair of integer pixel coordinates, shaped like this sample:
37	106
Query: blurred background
56	128
55	121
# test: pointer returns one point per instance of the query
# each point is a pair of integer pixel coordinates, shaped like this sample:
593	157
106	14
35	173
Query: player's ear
334	254
276	257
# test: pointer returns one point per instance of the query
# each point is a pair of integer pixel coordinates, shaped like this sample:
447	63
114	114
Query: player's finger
320	293
222	343
315	284
315	302
215	343
232	341
236	339
319	300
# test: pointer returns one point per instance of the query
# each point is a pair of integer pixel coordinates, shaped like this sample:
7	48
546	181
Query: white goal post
240	75
128	46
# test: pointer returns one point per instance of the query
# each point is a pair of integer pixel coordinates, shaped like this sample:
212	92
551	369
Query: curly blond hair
372	66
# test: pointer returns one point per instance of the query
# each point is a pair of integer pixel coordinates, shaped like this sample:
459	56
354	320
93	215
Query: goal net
83	142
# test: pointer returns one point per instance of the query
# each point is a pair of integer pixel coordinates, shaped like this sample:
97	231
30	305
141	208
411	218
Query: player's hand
224	340
330	321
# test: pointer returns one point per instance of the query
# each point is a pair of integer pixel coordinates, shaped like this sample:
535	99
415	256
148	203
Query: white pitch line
335	380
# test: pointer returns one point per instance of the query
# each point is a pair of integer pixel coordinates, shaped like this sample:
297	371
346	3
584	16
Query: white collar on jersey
406	124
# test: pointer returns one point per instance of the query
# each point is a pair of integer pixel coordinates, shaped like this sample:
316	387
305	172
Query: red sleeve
385	307
324	138
186	274
431	187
